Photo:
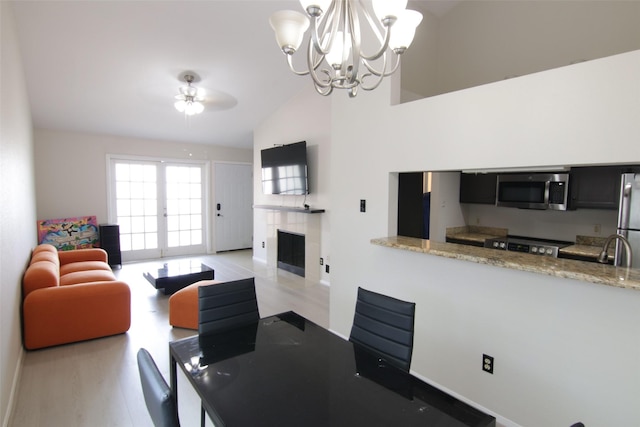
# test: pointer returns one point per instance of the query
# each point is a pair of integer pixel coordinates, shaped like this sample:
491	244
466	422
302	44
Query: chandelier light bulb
290	27
404	30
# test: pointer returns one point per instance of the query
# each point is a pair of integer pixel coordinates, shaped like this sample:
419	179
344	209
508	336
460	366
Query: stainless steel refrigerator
629	218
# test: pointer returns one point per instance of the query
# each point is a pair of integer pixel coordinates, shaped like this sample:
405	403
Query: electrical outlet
363	205
263	244
487	363
326	268
321	261
596	228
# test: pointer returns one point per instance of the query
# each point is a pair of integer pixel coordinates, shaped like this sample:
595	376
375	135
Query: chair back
161	402
228	305
384	325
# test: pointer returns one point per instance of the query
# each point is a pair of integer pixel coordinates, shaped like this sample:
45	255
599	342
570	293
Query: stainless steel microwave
533	191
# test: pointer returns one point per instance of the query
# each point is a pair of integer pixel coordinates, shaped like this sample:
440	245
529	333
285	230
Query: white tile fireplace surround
300	223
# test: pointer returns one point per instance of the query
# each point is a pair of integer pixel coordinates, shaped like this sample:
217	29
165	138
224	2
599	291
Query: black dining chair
161	403
226	306
384	325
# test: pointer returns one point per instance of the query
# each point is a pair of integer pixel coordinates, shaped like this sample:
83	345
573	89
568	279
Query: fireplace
291	252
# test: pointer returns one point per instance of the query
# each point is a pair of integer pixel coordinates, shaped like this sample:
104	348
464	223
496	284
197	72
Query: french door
159	206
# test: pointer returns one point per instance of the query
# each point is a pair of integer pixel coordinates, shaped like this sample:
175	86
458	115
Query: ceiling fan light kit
189	100
335	55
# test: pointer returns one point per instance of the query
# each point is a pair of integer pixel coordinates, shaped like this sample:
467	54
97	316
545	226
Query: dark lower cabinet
110	242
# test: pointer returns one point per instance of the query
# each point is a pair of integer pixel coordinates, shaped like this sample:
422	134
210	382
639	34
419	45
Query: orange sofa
72	296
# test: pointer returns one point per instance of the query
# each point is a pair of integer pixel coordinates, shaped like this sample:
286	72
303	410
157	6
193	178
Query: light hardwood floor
96	383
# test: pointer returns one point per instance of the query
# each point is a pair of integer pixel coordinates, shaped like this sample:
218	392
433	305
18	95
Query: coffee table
175	275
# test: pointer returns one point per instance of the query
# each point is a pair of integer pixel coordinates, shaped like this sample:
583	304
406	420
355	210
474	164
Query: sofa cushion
40	274
45	247
45	256
86	276
90	254
83	266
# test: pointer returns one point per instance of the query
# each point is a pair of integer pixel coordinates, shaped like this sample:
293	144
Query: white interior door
159	206
233	206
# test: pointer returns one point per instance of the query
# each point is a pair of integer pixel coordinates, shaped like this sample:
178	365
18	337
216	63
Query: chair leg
202	416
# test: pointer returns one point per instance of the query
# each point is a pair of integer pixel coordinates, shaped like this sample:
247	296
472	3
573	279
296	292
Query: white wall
71	176
306	117
419	65
18	212
485	41
564	350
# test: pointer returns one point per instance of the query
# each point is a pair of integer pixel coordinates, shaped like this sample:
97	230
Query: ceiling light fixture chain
189	100
335	59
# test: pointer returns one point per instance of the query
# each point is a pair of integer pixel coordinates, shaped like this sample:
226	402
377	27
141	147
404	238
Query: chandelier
335	54
189	100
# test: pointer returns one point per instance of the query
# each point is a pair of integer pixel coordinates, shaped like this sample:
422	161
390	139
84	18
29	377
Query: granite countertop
583	250
474	233
588	247
602	274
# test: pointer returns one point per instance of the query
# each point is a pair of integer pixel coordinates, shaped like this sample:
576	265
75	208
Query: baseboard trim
13	396
260	260
500	421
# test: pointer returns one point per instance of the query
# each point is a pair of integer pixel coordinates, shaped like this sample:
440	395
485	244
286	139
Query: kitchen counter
473	234
585	251
587	248
566	268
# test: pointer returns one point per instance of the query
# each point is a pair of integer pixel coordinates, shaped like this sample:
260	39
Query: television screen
284	169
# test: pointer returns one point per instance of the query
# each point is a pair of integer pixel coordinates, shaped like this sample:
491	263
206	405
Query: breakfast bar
603	274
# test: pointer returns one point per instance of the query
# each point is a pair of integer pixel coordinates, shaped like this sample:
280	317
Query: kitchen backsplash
557	225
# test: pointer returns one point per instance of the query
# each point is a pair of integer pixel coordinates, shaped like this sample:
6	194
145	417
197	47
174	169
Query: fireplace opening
291	252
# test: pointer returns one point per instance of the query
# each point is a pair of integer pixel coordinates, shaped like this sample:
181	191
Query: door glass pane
184	199
136	205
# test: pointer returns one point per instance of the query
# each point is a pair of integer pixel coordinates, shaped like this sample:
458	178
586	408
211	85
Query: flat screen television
284	169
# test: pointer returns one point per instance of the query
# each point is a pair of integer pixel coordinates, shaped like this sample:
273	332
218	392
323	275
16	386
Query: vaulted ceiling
113	67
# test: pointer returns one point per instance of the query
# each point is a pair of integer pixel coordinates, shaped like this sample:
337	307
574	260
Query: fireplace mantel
289	209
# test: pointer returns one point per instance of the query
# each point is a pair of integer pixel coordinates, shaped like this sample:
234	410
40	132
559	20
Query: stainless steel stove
529	245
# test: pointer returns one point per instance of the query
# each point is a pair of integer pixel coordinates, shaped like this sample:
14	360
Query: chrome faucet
603	257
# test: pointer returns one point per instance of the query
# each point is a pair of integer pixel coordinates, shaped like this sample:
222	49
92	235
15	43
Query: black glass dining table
285	370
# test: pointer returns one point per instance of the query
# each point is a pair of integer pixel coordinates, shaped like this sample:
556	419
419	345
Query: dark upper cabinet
478	188
597	187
